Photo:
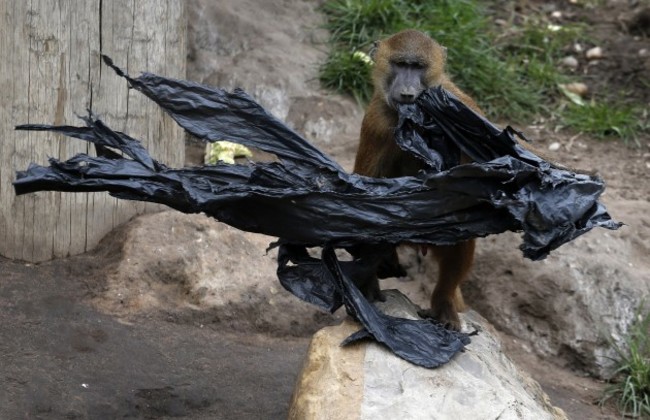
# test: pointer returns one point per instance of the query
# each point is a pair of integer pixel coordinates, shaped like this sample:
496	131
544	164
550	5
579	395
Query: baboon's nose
408	94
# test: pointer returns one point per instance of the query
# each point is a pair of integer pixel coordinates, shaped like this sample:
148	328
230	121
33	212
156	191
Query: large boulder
197	270
575	306
275	60
366	381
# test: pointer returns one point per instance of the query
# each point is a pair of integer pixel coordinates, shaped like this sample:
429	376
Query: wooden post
51	71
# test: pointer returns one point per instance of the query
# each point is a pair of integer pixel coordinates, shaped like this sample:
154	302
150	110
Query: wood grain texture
51	72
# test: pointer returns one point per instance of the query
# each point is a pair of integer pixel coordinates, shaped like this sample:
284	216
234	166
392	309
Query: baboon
406	64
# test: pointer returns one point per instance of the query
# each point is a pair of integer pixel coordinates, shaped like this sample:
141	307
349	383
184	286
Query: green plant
355	24
347	73
632	387
606	119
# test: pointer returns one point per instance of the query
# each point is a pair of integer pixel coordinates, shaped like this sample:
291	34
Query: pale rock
366	381
554	146
570	61
578	88
330	386
594	53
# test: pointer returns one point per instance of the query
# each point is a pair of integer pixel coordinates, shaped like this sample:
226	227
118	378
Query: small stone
594	53
570	61
578	47
554	146
556	14
643	52
577	88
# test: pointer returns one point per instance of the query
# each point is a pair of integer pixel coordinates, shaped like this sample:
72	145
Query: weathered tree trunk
50	71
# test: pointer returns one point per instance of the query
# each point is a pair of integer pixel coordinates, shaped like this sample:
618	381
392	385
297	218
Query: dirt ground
65	358
62	358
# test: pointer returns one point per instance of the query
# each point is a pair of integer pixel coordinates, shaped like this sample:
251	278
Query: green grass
512	70
536	46
631	390
347	74
602	120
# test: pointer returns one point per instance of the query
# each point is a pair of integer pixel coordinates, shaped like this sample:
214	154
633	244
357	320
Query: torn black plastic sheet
306	199
421	342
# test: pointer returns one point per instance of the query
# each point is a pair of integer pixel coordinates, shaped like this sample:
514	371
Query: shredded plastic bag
306	199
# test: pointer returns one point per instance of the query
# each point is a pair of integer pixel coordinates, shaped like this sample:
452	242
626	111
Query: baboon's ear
373	50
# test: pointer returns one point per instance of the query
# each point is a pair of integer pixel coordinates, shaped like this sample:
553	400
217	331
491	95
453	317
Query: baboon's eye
409	64
373	50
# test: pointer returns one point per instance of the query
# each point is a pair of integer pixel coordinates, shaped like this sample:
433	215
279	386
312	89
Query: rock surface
193	267
232	47
331	383
366	381
570	306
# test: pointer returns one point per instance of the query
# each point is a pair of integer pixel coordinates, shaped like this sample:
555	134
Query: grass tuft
347	73
632	387
602	120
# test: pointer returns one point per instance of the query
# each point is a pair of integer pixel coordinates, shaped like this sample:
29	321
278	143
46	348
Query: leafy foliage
632	389
602	119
